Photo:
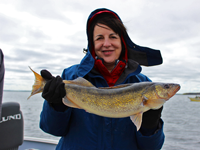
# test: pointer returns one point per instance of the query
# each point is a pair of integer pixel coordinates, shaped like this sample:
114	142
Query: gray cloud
46	9
10	30
171	26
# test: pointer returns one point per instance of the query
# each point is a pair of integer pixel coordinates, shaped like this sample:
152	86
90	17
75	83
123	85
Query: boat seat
11	126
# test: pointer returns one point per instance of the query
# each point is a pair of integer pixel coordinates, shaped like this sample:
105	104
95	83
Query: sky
49	34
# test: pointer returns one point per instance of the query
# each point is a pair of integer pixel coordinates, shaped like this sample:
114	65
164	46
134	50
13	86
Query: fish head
166	90
157	94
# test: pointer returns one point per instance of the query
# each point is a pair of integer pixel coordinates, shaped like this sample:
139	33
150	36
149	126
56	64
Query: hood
143	55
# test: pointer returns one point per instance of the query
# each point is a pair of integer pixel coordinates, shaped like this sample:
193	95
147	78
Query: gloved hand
54	90
151	118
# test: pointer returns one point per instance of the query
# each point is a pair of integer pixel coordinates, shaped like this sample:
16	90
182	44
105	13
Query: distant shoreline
191	93
16	91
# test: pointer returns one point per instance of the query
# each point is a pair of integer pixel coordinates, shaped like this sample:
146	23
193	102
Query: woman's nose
106	43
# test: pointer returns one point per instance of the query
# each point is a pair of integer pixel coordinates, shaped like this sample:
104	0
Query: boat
32	143
195	99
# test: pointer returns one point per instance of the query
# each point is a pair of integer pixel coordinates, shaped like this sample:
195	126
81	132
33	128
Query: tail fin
38	85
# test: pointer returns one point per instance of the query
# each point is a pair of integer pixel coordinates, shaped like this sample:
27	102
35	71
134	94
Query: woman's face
107	44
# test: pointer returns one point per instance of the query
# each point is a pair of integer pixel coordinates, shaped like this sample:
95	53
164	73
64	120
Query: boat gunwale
194	99
41	140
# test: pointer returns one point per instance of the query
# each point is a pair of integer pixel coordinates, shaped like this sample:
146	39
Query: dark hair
109	20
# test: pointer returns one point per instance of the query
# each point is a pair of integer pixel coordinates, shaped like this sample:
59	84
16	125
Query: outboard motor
11	126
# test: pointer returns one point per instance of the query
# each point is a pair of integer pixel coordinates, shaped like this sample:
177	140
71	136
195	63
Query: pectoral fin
144	100
68	103
137	120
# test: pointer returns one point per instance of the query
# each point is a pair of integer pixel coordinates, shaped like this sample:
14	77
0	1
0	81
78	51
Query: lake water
181	120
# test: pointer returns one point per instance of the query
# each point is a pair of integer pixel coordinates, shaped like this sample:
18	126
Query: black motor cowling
11	126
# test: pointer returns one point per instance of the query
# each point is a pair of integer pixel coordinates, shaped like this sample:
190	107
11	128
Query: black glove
54	89
151	118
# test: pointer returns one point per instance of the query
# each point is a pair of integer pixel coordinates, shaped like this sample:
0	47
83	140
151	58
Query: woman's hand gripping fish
115	102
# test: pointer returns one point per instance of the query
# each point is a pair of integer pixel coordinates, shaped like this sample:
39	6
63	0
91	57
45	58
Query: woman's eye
113	37
98	38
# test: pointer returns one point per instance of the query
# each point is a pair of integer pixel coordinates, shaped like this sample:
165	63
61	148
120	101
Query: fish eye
166	86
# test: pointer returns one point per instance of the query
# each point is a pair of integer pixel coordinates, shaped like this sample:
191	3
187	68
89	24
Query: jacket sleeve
152	142
54	122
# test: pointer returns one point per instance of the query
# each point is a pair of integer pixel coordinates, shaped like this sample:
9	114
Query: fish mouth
174	90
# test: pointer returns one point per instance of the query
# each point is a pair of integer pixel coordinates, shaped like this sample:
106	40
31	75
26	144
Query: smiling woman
111	59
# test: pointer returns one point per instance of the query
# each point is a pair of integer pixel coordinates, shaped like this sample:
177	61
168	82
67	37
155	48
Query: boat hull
194	99
31	143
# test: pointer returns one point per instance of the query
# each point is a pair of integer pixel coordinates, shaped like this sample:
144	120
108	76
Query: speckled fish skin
120	102
116	102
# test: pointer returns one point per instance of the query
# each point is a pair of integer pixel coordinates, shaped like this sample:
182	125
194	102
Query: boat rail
33	143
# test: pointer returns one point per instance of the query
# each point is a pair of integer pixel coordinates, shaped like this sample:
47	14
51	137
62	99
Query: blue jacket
80	130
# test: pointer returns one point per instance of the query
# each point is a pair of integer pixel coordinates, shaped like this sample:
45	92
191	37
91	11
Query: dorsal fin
79	81
117	86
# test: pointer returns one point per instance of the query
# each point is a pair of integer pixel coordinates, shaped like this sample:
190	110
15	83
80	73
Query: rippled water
181	120
182	123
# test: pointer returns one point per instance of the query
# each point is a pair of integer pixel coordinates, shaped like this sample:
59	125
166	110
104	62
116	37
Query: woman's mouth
107	52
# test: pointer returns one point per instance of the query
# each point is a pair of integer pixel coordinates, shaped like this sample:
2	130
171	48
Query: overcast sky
49	34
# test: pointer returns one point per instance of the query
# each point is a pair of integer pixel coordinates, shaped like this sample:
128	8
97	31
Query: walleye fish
115	102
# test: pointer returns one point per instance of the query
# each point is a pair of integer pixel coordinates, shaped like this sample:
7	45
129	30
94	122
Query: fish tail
38	85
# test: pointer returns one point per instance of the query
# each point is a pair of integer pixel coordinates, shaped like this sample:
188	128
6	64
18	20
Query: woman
111	59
